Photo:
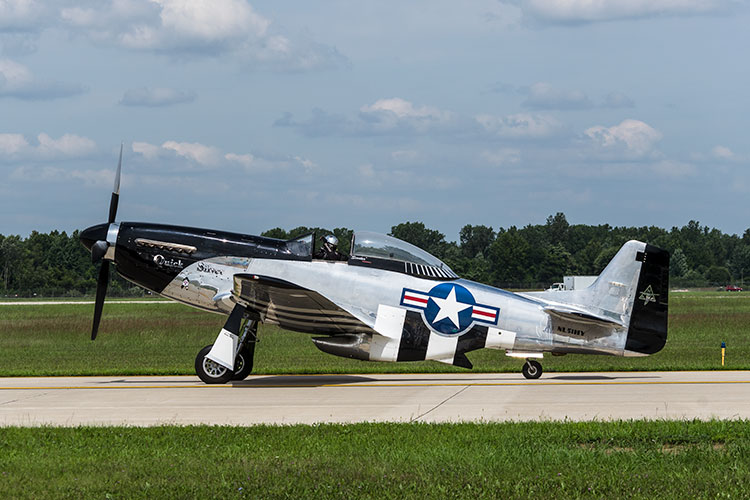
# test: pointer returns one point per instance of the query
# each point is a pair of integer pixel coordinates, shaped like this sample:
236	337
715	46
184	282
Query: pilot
328	251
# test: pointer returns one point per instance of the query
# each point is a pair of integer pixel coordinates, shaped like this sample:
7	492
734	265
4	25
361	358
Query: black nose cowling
91	235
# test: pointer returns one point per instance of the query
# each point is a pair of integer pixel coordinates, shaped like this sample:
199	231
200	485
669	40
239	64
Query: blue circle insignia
449	309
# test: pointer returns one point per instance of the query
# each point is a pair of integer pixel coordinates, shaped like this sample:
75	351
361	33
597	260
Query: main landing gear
532	369
212	372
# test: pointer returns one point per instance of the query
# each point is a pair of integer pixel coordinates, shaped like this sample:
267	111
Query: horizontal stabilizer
572	314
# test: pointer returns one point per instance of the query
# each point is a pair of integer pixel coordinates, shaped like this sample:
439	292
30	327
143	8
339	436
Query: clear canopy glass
368	244
302	246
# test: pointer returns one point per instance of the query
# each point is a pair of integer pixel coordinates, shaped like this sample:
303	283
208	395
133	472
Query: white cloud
11	144
388	114
198	27
213	157
245	160
632	137
589	11
211	20
19	14
67	144
404	109
155	97
13	74
197	152
520	126
51	174
149	151
401	118
16	80
306	164
722	152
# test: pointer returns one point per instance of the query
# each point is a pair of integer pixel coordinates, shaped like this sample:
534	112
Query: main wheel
209	371
532	369
243	363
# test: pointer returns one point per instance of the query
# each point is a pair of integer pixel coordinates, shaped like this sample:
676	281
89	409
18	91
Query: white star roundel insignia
449	309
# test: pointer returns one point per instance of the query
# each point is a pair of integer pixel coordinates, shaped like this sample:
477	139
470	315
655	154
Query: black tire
532	369
243	363
209	371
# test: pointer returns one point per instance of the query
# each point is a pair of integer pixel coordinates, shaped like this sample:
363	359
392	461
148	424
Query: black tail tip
648	322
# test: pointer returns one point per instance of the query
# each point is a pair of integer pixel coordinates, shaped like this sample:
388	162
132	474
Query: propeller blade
115	191
101	292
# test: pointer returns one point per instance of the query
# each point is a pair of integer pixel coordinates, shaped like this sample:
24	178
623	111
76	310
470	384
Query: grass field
513	460
164	339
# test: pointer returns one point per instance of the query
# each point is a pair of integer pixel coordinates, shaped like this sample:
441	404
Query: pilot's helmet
332	241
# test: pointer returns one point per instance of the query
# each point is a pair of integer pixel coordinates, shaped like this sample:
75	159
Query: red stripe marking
482	313
415	299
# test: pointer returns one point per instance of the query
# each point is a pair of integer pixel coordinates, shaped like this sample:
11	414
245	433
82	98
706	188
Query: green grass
637	459
164	339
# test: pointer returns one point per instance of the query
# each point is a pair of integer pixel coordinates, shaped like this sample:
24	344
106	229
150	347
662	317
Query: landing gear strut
212	372
532	369
243	363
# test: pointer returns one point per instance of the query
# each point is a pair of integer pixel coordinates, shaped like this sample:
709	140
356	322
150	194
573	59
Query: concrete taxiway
480	397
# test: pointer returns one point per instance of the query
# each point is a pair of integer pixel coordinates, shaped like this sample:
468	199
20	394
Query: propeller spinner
100	240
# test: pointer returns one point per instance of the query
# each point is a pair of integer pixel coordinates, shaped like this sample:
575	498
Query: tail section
631	292
635	286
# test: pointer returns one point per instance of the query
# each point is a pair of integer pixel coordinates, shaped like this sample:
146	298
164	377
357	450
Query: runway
476	397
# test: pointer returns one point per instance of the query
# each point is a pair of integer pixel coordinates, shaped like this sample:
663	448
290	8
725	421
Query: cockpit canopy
387	252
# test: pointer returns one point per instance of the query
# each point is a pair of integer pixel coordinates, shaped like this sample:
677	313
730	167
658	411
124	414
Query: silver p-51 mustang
388	301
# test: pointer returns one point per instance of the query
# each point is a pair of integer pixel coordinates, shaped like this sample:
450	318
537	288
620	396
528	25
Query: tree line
534	256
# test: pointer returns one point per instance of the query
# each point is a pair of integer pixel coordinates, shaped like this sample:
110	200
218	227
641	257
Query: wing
293	307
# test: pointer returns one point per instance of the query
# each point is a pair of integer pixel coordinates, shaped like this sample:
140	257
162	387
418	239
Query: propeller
97	240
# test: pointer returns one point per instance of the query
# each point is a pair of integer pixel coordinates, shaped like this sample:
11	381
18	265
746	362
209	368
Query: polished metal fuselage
362	291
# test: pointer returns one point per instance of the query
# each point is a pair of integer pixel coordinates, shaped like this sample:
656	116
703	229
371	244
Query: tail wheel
209	371
532	369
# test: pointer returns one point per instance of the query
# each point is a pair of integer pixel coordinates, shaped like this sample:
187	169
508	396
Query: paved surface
141	401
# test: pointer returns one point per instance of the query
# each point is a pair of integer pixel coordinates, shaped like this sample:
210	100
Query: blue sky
250	115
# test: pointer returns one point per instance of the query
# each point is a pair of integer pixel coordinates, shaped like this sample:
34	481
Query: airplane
386	301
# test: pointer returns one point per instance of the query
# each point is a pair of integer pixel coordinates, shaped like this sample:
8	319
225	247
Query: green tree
717	275
557	227
277	233
11	251
557	262
417	234
739	265
509	258
475	240
678	265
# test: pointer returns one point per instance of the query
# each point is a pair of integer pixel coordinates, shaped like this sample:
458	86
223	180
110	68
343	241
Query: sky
249	115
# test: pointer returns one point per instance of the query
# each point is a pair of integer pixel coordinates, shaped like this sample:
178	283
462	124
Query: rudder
647	332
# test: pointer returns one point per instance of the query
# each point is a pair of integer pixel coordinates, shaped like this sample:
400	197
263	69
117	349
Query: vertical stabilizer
648	321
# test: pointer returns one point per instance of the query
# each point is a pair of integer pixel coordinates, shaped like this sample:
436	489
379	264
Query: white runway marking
285	399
